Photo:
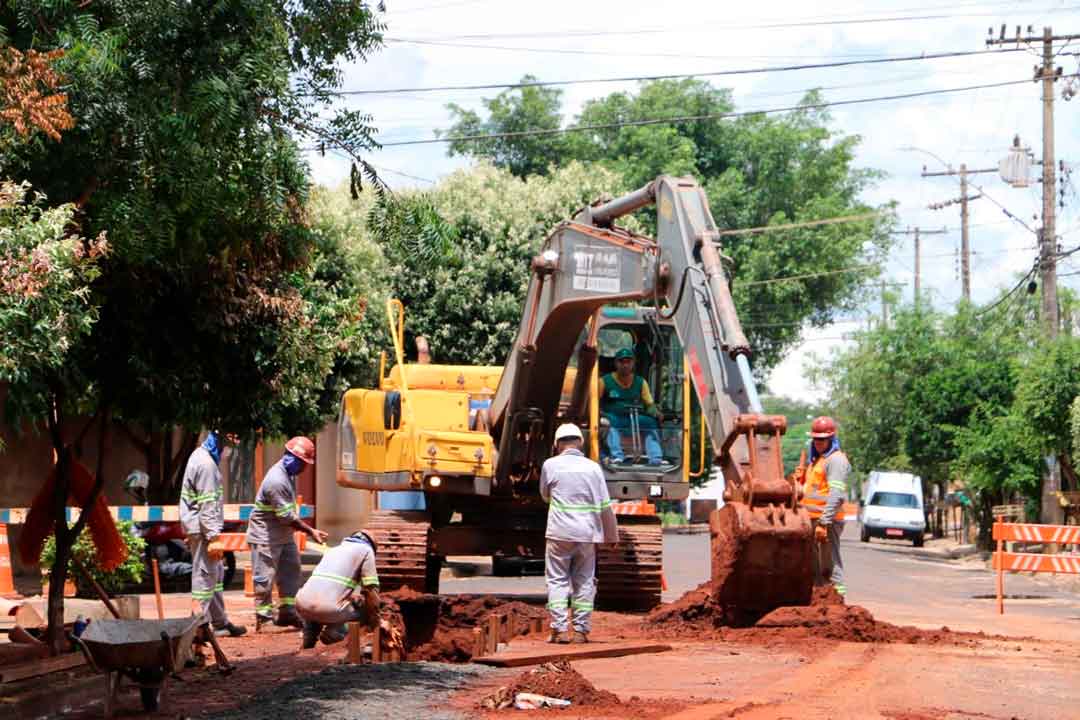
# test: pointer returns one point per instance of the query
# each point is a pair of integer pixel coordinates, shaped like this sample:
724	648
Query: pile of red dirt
557	680
440	628
697	614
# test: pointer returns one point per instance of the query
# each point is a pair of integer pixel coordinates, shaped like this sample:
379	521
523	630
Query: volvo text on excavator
467	442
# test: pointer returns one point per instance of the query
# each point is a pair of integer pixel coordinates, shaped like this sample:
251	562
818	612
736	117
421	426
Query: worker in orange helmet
824	494
274	555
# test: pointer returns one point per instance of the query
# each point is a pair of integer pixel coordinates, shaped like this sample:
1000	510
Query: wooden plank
548	653
34	668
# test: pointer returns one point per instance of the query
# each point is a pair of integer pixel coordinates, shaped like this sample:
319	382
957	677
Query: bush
130	572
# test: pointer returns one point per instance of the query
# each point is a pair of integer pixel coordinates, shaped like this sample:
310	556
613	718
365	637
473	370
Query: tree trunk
986	521
58	574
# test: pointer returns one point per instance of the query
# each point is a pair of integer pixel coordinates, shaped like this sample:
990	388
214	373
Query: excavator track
630	577
403	556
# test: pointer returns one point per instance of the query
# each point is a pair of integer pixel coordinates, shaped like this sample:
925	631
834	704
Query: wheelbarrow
144	651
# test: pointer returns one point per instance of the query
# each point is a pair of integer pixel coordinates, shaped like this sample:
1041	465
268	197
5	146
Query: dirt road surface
1034	675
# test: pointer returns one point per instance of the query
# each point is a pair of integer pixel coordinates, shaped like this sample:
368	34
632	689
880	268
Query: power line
611	53
697	118
674	76
806	224
823	21
804	276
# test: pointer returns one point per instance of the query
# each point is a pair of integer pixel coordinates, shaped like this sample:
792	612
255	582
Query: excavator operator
627	403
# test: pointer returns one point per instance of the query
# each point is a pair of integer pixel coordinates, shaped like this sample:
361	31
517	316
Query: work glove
821	534
215	550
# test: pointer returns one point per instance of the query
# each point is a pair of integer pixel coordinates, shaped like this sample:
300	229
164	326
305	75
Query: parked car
892	507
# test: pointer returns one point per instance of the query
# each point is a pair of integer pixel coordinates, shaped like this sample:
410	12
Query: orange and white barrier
634	507
1032	562
7	581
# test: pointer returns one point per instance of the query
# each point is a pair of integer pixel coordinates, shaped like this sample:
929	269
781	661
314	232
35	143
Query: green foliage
975	396
130	571
220	304
476	232
799	415
757	170
526	109
46	307
1074	429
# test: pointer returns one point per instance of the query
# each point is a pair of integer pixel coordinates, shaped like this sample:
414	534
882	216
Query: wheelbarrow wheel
151	697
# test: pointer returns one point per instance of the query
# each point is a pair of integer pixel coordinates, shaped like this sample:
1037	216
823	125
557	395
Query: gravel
360	692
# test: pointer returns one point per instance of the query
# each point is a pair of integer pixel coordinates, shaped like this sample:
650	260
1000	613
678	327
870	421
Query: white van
892	507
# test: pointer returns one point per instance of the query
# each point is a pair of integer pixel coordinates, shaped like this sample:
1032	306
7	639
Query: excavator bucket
761	539
761	558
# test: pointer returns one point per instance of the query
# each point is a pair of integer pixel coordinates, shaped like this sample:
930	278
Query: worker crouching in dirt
330	597
824	493
274	555
579	517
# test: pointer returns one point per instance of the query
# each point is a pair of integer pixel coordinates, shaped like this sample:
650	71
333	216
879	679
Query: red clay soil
697	614
557	680
440	628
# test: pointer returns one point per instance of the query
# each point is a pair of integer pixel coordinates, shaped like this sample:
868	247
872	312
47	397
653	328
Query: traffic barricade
1032	562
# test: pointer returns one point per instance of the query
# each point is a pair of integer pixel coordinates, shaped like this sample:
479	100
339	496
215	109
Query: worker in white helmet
579	517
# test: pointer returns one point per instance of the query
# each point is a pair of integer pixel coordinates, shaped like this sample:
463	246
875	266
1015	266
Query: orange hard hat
822	427
302	448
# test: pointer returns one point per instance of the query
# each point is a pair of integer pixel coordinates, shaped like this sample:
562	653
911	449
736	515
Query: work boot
580	638
333	634
289	620
230	630
311	634
559	637
260	621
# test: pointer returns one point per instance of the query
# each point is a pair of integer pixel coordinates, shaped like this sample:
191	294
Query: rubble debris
697	614
440	628
557	680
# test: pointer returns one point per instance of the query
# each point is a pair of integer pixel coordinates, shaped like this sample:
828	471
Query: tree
475	234
529	108
220	305
757	170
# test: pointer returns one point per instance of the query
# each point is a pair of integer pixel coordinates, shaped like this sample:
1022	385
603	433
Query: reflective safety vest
619	400
816	489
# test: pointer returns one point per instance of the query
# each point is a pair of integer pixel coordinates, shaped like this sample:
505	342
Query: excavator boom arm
587	263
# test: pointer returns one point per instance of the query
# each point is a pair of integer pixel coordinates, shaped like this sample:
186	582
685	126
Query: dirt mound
440	628
557	680
697	614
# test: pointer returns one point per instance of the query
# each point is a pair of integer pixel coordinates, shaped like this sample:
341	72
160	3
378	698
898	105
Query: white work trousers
207	581
570	568
827	560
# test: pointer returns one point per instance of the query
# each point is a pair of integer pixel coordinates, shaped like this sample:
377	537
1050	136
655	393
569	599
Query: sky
435	43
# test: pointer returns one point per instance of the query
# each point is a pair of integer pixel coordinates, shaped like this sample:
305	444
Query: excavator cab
641	445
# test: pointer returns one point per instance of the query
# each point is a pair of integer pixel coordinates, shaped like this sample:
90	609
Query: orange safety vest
816	490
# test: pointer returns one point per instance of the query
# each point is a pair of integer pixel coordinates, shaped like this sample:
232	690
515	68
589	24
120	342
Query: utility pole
1048	239
963	200
918	233
965	248
1047	74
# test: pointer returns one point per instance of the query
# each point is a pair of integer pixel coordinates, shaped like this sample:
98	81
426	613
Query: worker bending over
344	587
202	516
579	517
824	494
274	555
627	403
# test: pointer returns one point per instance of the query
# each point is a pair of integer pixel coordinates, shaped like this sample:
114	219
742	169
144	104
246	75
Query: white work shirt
579	506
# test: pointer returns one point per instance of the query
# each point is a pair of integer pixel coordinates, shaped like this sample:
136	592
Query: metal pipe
604	215
743	364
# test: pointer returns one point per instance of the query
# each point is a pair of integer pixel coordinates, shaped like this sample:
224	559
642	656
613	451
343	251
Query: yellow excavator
471	439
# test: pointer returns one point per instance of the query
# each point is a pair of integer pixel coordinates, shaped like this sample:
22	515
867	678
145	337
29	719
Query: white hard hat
568	430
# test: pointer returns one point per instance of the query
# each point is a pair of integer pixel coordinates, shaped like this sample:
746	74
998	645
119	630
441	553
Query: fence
1032	562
